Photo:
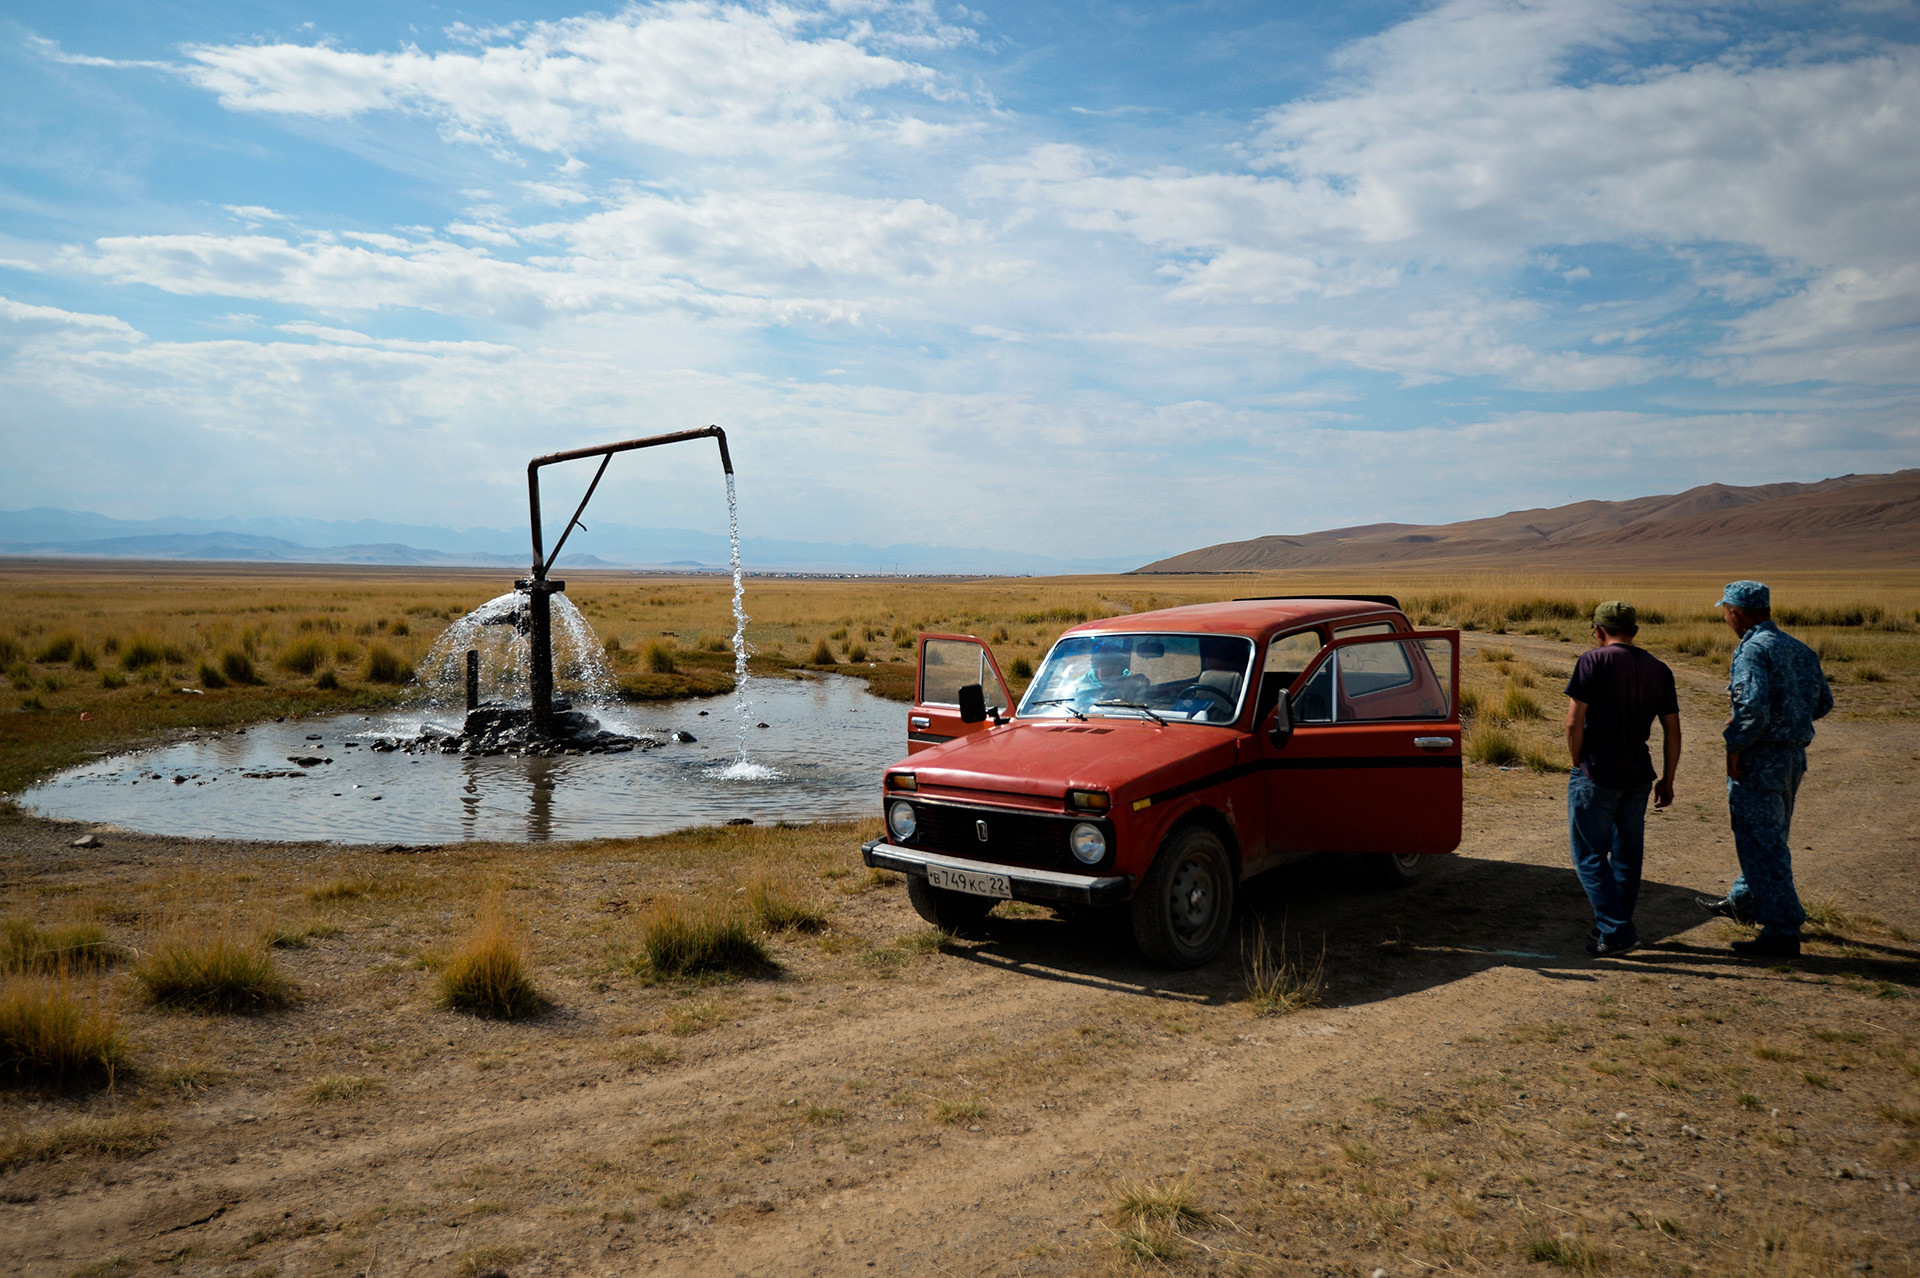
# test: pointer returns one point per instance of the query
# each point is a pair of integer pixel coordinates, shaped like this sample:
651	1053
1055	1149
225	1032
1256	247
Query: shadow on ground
1465	916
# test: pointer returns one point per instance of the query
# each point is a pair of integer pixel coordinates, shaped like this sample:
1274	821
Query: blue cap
1752	595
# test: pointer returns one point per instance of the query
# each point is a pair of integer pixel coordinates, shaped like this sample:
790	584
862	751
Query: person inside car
1108	676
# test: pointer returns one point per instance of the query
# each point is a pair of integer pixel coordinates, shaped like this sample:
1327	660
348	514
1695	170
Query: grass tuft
217	973
1277	983
26	948
680	940
301	657
659	657
1152	1217
957	1111
237	666
334	1087
822	654
776	906
384	665
121	1136
49	1035
487	976
1490	743
1568	1252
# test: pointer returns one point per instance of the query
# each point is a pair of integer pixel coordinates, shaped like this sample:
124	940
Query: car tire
958	912
1183	908
1397	869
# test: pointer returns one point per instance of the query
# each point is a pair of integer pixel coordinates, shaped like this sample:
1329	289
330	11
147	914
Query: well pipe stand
540	588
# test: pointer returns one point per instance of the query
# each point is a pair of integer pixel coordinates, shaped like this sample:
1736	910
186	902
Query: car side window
1384	679
1314	703
1364	628
1287	656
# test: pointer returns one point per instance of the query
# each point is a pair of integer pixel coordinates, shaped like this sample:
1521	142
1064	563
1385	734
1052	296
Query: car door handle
919	721
1433	743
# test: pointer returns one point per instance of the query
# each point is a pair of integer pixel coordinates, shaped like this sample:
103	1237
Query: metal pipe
540	590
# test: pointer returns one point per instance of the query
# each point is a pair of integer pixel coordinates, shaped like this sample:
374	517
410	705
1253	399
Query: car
1157	761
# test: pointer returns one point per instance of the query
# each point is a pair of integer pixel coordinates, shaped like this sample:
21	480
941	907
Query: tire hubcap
1191	899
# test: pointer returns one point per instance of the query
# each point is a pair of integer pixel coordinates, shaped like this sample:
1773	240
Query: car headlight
1089	843
900	820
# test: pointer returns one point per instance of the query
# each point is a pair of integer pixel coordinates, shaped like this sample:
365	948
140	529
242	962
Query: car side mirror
973	703
1280	727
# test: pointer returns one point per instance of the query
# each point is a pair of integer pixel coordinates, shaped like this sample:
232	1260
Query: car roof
1243	616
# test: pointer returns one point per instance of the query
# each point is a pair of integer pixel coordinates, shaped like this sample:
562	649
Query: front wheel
1397	869
1183	906
957	912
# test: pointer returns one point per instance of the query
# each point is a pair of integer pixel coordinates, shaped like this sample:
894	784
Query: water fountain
498	748
545	719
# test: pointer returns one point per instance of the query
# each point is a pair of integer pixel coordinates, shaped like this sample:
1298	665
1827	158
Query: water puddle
819	758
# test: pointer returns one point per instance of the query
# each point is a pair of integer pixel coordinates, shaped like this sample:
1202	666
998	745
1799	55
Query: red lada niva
1157	760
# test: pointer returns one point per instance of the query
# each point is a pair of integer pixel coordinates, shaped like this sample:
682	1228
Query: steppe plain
1470	1093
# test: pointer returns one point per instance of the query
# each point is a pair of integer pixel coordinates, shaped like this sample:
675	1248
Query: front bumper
1027	884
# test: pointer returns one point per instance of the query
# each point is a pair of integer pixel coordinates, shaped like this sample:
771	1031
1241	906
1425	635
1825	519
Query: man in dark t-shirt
1616	692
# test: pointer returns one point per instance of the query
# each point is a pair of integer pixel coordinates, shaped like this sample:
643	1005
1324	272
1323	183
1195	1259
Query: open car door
949	663
1373	763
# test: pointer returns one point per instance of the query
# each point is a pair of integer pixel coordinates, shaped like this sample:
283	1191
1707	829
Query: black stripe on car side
927	738
1304	765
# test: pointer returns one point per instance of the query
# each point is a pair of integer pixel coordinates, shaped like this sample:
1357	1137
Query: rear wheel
958	912
1182	908
1397	869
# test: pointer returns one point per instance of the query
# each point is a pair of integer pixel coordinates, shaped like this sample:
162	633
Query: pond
820	757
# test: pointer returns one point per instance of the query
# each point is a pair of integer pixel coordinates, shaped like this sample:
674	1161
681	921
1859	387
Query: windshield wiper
1062	701
1141	706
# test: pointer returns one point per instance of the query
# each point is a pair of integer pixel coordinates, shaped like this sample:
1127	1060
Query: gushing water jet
546	717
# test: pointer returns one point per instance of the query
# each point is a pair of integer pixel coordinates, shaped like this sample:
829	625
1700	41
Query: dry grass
949	1112
1152	1217
337	1087
71	947
148	629
776	903
487	975
1279	983
697	938
52	1033
217	972
118	1136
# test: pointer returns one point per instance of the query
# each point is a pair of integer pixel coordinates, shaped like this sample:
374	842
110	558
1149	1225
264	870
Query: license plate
967	881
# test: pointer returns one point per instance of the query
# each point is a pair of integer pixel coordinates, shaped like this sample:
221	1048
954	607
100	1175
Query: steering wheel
1210	690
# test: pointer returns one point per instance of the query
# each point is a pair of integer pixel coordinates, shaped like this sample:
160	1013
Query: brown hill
1851	521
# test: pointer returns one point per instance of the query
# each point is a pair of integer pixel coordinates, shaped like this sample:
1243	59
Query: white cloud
1461	142
71	322
687	76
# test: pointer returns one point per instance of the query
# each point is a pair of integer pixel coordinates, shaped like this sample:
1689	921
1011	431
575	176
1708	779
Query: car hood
1129	758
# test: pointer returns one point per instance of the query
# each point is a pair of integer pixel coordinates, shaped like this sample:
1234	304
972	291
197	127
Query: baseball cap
1616	616
1746	594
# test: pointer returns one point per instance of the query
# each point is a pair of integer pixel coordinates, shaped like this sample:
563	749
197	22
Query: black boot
1725	908
1780	947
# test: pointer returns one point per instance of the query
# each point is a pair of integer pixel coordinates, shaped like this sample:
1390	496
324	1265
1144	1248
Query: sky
1074	278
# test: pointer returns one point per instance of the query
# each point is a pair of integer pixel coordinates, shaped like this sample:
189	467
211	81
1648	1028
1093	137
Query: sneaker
1779	947
1726	907
1601	949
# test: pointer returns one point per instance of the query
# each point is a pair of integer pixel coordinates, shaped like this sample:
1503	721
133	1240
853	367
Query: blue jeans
1761	803
1608	830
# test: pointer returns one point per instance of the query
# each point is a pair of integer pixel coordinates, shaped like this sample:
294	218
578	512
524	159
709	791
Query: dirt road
1475	1094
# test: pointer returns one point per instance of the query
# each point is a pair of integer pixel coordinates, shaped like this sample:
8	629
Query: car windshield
1172	678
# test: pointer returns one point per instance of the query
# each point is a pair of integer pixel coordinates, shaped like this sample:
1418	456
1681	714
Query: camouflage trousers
1760	801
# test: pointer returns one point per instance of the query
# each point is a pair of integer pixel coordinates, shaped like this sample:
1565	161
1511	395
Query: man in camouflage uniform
1777	690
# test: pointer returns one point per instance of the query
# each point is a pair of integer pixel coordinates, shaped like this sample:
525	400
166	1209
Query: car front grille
1022	838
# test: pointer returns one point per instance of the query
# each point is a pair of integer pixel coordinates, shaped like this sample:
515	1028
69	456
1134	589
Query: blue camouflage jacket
1777	689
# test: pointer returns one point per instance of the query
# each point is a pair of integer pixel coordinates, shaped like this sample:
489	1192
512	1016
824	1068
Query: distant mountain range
50	533
1851	521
